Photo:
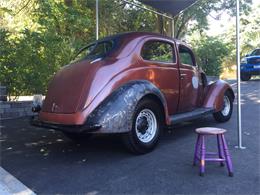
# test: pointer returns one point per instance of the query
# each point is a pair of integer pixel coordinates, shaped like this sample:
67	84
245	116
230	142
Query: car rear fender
214	94
115	113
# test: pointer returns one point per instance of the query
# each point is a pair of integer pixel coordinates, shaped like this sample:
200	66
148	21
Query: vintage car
135	84
250	65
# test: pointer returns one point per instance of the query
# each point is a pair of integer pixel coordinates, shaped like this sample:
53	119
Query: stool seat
210	130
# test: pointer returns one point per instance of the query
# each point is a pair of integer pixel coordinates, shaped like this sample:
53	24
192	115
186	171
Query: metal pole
238	77
97	20
173	33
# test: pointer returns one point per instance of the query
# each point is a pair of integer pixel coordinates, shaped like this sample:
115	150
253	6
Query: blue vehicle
250	65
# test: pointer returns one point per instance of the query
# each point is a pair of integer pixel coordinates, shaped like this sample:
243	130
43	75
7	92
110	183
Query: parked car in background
134	84
250	65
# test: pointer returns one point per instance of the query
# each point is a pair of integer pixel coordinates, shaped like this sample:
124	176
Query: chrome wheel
225	113
226	107
146	125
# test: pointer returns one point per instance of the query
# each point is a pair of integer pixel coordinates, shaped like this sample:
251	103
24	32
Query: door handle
183	76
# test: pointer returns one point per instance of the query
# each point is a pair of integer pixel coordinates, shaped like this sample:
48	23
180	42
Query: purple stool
200	149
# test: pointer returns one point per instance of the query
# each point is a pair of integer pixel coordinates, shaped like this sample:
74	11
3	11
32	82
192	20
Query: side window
158	51
186	56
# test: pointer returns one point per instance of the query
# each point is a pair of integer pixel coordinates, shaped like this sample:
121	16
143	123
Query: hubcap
146	125
226	109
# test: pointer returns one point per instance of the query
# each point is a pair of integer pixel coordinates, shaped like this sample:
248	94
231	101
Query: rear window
95	50
158	51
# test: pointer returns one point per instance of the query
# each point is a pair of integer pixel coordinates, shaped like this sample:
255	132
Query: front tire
245	77
146	126
226	112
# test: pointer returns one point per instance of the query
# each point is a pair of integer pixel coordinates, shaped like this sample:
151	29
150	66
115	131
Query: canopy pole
97	20
240	146
173	29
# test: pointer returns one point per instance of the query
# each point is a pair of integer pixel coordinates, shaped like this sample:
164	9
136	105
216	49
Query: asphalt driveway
49	163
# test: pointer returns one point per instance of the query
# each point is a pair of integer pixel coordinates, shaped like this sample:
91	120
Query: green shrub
210	53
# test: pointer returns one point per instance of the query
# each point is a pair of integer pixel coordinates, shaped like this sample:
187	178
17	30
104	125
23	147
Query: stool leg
202	156
220	150
196	152
227	157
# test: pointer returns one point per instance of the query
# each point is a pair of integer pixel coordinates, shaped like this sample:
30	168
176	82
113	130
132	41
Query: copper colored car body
102	94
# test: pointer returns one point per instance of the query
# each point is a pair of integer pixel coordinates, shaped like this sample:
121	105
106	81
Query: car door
159	58
189	79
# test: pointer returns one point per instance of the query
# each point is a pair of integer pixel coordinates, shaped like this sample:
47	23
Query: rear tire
78	137
226	112
147	123
245	77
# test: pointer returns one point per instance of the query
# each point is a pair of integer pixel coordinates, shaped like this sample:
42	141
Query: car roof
134	35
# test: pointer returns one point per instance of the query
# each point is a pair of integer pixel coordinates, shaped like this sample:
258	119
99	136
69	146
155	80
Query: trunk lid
66	88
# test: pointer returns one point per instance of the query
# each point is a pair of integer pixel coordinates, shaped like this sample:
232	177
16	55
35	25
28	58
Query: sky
217	27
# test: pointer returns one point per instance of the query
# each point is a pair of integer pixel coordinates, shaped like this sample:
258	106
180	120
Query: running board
197	113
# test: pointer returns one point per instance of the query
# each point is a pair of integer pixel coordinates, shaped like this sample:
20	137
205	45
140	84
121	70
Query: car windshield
94	50
255	53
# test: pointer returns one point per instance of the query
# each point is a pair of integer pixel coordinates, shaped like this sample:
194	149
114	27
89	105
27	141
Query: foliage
249	37
250	31
38	37
195	17
210	53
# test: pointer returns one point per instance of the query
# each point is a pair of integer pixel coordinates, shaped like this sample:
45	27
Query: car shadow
21	141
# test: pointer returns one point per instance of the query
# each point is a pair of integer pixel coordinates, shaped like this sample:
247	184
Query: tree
210	53
38	37
250	31
195	17
249	34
